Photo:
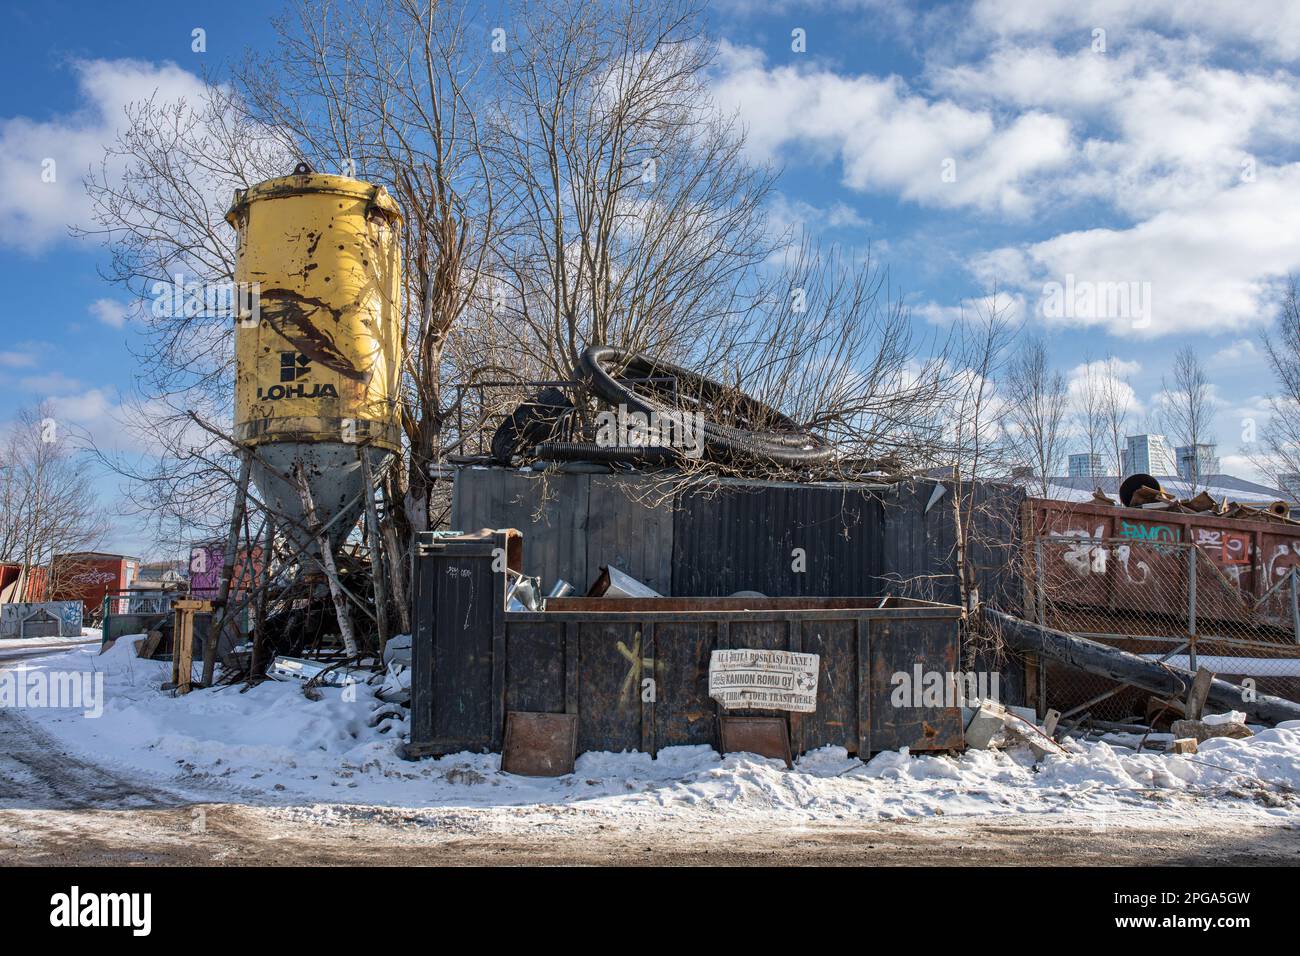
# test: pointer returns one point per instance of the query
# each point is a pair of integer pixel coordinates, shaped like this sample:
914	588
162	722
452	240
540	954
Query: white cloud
109	311
49	384
1162	128
1272	26
1211	266
888	138
1242	350
35	212
17	359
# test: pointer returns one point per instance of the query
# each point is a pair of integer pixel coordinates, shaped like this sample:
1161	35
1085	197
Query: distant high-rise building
1148	454
1086	466
1196	461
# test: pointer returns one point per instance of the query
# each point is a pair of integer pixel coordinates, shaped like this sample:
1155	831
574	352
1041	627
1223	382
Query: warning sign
764	680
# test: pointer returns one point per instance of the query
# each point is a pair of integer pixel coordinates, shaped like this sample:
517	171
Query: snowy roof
1218	486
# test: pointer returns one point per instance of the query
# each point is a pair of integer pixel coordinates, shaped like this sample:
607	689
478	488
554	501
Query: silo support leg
327	563
374	540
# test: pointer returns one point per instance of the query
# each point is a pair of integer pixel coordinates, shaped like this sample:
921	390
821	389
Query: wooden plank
862	697
183	645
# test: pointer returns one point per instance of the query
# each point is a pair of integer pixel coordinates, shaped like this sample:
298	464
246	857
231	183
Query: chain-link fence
1177	602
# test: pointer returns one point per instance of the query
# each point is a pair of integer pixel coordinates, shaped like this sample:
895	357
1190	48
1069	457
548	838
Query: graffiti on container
637	665
1155	534
1229	549
1081	554
95	577
1128	564
1283	558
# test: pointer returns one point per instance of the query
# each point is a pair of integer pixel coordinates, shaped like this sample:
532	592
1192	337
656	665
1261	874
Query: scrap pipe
1160	679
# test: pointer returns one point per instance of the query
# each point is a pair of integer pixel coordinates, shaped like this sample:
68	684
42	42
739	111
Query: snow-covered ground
271	745
89	635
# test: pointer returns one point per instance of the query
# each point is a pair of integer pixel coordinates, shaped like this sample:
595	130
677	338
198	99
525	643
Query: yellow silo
321	362
318	361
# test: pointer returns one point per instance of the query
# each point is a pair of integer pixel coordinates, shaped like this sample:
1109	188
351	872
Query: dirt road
228	835
61	808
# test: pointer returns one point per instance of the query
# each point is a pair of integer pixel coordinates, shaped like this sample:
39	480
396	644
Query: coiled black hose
761	433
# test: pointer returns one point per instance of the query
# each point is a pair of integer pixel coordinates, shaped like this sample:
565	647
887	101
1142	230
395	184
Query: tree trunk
1161	679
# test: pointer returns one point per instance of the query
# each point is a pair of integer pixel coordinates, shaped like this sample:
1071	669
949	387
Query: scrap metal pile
1144	491
654	413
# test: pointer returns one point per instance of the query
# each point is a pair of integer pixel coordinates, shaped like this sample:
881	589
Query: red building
88	576
17	587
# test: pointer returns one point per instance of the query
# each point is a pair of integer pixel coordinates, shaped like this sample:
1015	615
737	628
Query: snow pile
272	745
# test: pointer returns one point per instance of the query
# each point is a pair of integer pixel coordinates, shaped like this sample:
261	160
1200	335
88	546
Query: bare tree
1116	404
634	219
1188	407
1278	454
1035	396
1089	417
975	449
46	507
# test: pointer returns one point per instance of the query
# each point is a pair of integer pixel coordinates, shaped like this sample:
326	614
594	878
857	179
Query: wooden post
183	642
395	564
227	568
375	541
1295	602
327	561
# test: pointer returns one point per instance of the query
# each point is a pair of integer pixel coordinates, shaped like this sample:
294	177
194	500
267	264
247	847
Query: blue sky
967	142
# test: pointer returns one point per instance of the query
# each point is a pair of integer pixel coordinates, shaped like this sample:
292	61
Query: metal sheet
765	736
539	745
777	539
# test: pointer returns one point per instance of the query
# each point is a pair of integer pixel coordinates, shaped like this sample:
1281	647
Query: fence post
1191	607
1040	584
1295	602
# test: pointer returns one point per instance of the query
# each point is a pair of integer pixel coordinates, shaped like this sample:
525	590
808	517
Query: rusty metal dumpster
473	661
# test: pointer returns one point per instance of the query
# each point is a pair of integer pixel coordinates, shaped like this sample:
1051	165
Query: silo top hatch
300	184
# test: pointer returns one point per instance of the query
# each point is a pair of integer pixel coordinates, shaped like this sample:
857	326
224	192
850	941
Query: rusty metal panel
913	648
836	719
610	662
539	745
764	736
684	712
535	667
1248	556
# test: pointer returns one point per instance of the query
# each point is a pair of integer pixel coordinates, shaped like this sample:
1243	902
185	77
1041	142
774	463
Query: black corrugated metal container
473	661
